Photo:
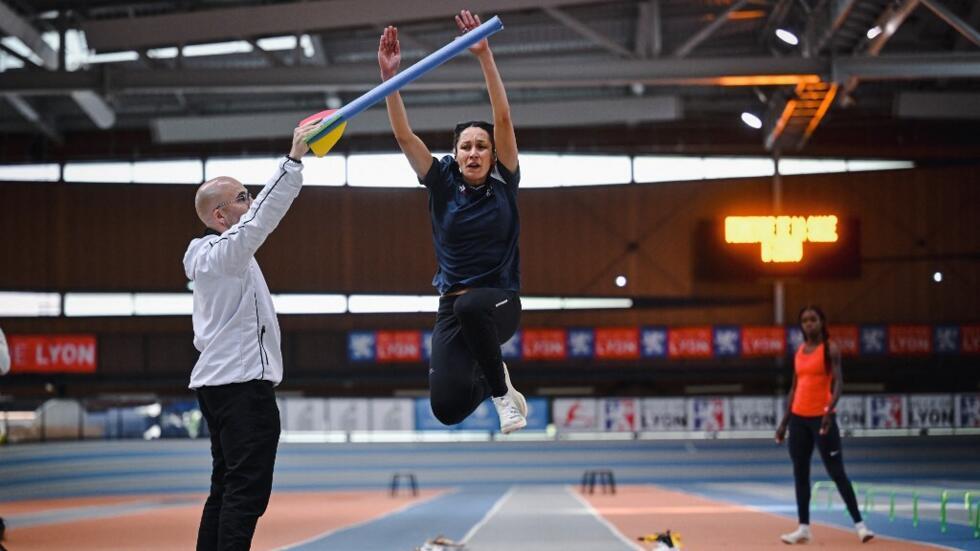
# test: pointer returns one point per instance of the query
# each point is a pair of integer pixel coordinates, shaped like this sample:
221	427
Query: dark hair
479	124
824	333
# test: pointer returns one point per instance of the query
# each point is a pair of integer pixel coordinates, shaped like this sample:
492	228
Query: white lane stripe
595	514
501	303
333	531
493	511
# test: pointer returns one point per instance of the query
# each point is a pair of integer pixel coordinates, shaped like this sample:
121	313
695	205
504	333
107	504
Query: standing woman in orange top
810	418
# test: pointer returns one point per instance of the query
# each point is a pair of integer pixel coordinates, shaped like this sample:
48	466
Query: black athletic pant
803	432
466	366
244	422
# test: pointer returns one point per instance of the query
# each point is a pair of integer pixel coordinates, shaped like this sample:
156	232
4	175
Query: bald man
236	331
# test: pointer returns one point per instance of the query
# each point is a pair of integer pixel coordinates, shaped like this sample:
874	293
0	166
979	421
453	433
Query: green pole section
974	517
943	499
976	522
915	509
891	507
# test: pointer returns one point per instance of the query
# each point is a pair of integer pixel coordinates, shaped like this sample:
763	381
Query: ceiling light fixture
752	120
787	37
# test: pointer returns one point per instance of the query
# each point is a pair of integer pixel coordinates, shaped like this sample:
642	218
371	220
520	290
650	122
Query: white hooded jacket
235	325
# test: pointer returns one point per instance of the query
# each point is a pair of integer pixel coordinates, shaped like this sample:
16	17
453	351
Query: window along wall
391	170
72	304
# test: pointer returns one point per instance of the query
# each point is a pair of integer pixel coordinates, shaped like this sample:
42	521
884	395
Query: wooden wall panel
122	355
574	242
28	252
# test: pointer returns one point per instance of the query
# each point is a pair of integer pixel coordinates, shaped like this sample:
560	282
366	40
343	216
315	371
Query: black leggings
466	366
803	432
243	419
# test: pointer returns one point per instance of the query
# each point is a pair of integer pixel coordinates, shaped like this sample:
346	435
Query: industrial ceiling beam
549	114
273	59
588	32
649	30
12	24
283	18
95	107
455	75
708	30
888	23
824	20
953	20
30	114
974	21
467	76
776	18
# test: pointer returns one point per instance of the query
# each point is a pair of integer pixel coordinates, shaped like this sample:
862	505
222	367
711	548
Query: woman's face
810	323
474	154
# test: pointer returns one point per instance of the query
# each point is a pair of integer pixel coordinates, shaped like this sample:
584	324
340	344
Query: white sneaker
864	534
800	535
518	397
511	418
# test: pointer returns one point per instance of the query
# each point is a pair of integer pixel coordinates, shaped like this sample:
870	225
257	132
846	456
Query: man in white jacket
236	331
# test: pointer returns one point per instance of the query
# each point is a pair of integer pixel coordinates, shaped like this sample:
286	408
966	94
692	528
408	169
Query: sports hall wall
574	243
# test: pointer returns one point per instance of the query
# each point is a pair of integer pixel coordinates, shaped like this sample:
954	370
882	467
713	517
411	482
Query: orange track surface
707	524
291	518
40	505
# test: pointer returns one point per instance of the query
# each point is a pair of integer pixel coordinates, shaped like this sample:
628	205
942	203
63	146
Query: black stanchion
409	479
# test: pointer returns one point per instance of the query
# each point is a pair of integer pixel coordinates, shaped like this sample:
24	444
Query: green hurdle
971	501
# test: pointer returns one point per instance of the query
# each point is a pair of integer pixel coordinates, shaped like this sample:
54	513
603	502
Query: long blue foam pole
396	82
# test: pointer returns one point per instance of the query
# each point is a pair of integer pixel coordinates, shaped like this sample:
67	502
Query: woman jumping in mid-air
475	230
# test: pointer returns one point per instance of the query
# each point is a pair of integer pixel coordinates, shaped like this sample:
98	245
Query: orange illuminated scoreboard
818	245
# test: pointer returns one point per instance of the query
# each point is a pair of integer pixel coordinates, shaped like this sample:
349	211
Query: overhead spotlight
752	120
873	32
333	101
620	281
787	37
937	277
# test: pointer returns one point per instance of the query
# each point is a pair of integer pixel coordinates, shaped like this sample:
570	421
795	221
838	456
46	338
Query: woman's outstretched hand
389	53
466	22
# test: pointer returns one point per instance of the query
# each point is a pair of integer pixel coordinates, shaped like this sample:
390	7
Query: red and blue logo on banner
847	338
52	353
727	340
617	343
946	339
399	346
763	341
689	342
703	342
909	339
971	339
653	342
544	344
581	342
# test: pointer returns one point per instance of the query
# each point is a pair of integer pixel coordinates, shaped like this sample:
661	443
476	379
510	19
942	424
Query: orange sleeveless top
812	394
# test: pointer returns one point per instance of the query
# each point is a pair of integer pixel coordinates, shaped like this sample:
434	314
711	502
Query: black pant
244	422
803	432
466	366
